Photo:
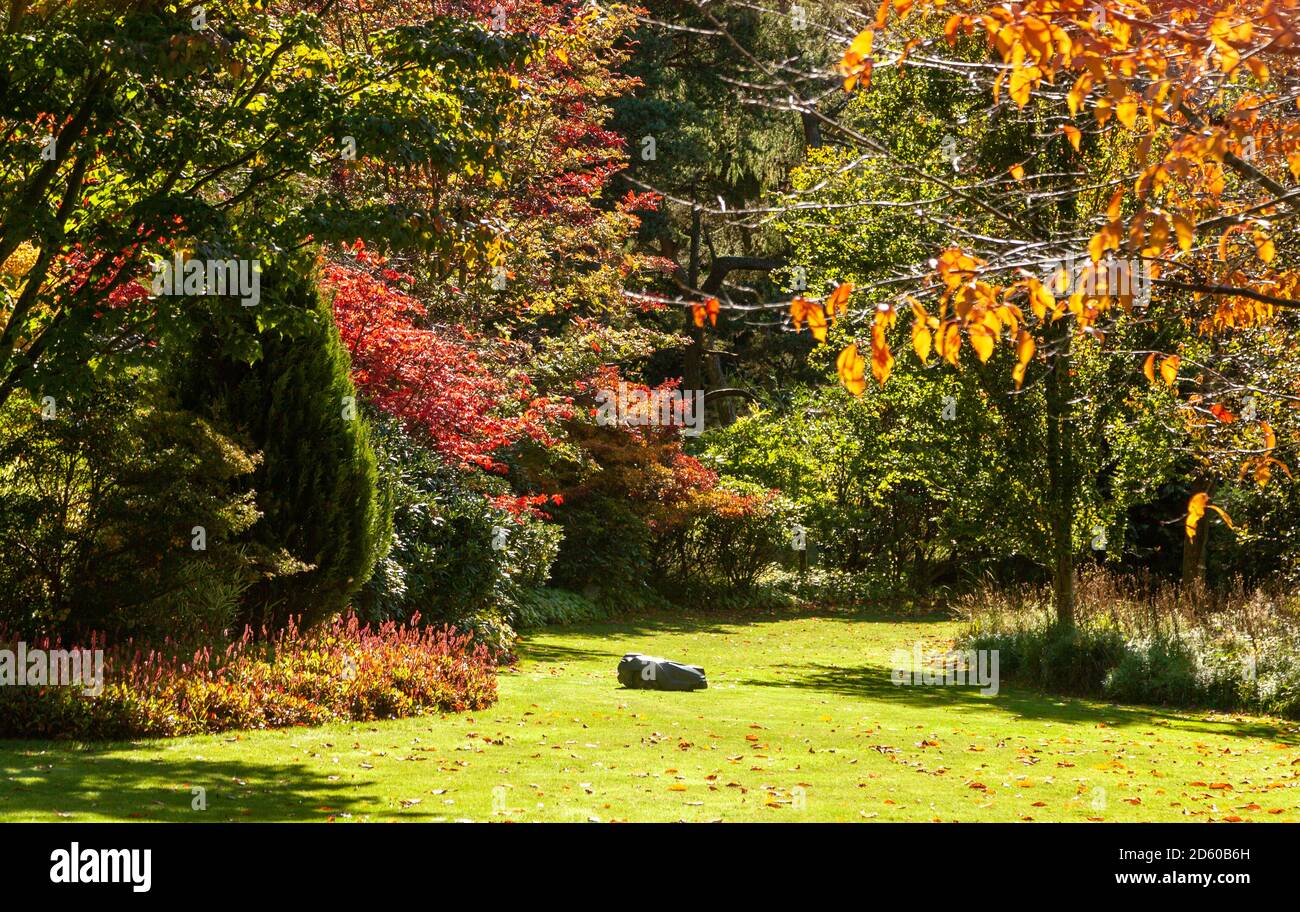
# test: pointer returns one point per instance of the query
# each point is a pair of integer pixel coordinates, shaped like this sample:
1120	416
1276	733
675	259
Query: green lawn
800	722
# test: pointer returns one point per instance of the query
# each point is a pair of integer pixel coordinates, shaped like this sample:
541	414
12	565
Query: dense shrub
727	535
1061	659
830	587
460	554
339	671
904	486
644	520
627	479
1160	670
122	512
933	480
1218	665
559	607
606	551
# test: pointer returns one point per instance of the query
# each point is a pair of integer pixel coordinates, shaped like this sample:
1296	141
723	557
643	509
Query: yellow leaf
1096	247
1079	93
838	302
1157	237
863	75
957	268
1258	68
947	341
1017	171
1186	232
1021	83
1116	205
882	14
921	340
1025	347
1073	134
1264	247
920	330
1127	110
1149	367
1010	316
861	46
856	65
799	309
852	368
1223	516
1169	369
1024	352
950	29
1195	510
1040	299
817	322
981	339
882	360
1108	238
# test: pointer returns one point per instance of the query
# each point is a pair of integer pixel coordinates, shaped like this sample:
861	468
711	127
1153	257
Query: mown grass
800	723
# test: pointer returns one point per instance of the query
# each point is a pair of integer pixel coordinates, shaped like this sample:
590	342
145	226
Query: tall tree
142	128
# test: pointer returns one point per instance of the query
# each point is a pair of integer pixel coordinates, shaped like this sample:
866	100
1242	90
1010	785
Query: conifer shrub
316	483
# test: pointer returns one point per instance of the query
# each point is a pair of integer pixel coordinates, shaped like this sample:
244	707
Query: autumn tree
136	130
1151	177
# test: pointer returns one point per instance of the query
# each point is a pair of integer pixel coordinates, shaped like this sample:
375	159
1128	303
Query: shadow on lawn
873	682
732	622
552	653
45	779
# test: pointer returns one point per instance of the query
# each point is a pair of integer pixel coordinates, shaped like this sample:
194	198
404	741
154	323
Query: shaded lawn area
800	723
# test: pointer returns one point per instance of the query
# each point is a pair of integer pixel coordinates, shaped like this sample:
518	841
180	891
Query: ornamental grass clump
339	671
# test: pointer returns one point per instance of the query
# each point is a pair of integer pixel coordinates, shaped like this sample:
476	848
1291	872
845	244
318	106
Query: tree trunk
693	369
1196	548
812	129
1061	480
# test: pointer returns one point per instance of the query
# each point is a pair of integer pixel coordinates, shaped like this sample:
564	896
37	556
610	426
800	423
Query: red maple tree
445	385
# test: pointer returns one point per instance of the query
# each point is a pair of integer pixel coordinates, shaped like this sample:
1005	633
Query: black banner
138	863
